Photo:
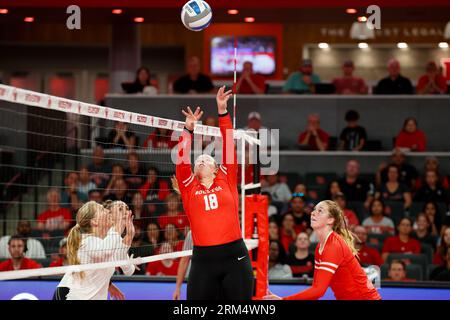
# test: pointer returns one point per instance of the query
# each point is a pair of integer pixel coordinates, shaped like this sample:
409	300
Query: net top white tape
41	272
41	100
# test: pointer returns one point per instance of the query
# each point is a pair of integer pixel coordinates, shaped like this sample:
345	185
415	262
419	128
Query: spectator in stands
95	195
98	169
17	248
160	138
274	230
287	232
249	82
118	192
394	83
35	248
397	271
302	81
166	267
301	218
171	236
135	174
121	137
153	235
354	187
254	123
55	217
432	190
301	189
411	137
353	137
350	216
279	191
174	214
367	255
403	242
432	82
313	138
432	164
273	210
139	248
377	223
333	189
442	273
349	84
84	182
71	198
393	190
194	81
301	261
142	83
422	231
277	267
408	173
431	210
439	256
154	188
117	173
61	259
137	206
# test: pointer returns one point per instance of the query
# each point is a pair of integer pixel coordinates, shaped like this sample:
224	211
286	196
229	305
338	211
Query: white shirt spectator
95	283
279	192
280	271
384	226
35	249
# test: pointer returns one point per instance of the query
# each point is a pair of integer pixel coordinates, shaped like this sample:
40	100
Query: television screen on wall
258	49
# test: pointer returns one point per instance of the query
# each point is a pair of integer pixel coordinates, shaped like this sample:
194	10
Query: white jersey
94	284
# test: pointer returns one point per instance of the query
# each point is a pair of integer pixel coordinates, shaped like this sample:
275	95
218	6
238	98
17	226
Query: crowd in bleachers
401	218
303	81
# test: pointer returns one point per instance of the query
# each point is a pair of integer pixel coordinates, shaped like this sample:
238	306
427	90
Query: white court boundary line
21	274
41	100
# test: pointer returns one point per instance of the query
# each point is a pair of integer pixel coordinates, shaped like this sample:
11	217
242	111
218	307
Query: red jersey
158	191
351	218
439	79
335	266
180	221
213	211
409	140
158	268
395	245
55	219
323	136
258	80
57	263
368	255
25	264
286	239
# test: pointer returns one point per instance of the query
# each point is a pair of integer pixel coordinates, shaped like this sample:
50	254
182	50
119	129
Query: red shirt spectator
180	221
57	263
160	138
163	267
432	82
250	83
370	256
286	240
55	219
349	84
314	137
411	137
25	264
351	218
395	245
154	188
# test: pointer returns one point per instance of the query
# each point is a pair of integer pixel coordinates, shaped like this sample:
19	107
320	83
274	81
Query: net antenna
234	83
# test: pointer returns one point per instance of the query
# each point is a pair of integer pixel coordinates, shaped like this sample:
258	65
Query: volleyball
196	15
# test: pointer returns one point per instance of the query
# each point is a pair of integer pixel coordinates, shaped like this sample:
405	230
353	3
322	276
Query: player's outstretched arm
183	171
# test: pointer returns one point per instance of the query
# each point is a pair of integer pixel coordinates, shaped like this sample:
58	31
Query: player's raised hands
222	98
192	117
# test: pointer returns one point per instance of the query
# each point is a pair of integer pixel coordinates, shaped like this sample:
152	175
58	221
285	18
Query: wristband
190	131
223	114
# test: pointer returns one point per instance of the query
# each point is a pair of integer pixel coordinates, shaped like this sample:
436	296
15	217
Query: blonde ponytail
84	216
340	225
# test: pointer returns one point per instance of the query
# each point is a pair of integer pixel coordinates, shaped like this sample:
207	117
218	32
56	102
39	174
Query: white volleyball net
58	154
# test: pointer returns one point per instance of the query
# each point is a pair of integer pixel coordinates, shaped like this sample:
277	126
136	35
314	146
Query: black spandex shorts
221	272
